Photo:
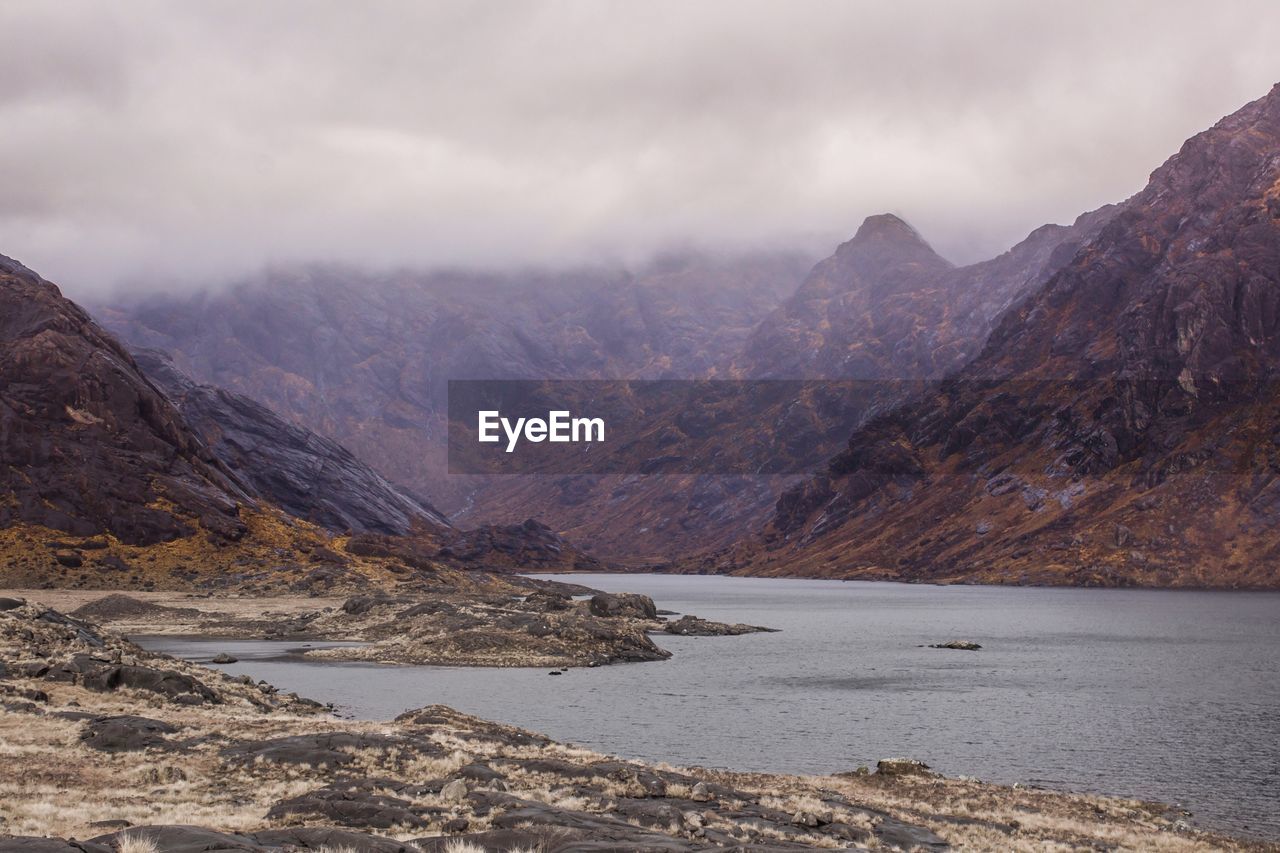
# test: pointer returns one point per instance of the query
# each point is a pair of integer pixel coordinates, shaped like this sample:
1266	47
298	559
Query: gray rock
454	792
902	767
631	604
693	626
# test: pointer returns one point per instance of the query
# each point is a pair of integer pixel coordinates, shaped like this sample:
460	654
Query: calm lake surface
1173	696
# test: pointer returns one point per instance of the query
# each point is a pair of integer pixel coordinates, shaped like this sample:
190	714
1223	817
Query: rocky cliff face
89	445
1121	426
303	473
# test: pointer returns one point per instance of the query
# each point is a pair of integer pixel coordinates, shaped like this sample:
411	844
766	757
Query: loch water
1164	695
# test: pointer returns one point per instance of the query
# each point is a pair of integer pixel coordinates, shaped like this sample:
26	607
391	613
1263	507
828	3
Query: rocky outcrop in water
694	626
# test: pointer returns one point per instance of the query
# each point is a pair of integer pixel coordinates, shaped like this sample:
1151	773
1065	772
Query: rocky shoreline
112	748
552	625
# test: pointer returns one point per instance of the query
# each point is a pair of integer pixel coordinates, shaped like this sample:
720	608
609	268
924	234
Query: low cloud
184	143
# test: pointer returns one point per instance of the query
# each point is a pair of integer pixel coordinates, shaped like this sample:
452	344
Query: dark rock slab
323	837
182	839
105	676
33	844
630	604
326	749
125	733
351	807
905	836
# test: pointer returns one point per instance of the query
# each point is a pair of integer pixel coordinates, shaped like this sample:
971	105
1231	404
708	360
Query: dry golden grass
137	844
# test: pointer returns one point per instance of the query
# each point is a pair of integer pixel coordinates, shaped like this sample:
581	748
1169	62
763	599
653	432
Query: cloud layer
186	142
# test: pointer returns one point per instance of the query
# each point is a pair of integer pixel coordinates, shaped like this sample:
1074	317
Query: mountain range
1094	406
364	360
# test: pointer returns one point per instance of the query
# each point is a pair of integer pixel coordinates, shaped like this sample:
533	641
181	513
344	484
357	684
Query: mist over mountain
365	359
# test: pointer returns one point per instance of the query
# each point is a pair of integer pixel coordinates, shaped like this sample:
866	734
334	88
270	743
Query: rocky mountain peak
884	241
887	227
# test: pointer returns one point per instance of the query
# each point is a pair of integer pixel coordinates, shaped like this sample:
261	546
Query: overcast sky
187	142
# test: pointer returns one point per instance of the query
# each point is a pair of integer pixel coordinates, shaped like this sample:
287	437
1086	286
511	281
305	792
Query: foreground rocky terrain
121	749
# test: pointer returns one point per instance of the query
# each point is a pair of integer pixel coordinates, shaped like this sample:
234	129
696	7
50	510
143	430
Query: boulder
69	559
693	626
454	792
902	767
612	605
125	733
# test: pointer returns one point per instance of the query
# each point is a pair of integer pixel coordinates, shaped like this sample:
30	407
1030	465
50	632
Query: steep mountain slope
104	483
89	445
305	474
1122	426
